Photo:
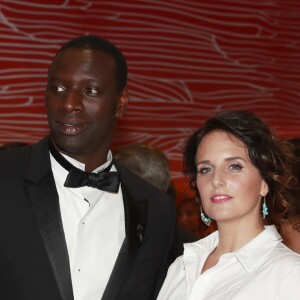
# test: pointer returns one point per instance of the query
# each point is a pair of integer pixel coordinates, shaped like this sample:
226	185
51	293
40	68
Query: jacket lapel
43	197
135	224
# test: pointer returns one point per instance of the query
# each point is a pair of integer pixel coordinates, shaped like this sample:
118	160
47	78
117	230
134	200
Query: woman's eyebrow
207	161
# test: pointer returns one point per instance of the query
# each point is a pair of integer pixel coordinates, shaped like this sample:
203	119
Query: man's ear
122	105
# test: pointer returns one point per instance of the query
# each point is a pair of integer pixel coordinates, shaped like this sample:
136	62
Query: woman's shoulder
285	258
287	267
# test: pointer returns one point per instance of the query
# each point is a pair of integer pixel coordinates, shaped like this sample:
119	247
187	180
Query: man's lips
70	128
220	198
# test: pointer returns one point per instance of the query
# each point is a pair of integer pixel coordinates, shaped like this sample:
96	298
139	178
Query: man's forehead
82	56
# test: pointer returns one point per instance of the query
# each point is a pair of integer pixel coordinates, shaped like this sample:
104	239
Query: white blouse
263	269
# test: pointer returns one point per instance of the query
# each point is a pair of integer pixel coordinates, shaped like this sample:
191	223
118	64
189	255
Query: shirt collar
254	253
81	166
250	256
62	173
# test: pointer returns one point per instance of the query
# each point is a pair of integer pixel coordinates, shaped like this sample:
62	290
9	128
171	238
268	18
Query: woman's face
230	186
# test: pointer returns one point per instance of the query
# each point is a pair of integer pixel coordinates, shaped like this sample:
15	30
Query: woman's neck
232	236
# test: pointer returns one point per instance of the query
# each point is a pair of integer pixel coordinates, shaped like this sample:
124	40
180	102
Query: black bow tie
103	180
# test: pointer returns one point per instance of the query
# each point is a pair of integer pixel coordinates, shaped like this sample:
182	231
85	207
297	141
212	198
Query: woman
240	172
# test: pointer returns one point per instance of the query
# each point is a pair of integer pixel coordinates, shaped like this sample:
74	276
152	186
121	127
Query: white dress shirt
263	269
94	227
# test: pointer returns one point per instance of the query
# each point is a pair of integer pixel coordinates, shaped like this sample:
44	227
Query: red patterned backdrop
187	60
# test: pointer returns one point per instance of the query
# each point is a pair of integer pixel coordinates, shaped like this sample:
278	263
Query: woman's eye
235	167
204	170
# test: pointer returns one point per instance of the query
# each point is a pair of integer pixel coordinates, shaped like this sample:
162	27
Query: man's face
82	101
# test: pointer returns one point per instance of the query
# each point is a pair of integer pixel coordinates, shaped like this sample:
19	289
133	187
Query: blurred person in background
188	217
151	164
148	162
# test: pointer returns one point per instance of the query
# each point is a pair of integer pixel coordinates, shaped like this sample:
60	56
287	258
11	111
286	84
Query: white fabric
94	231
263	269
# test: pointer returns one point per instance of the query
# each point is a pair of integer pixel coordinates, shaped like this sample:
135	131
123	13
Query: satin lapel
135	223
43	197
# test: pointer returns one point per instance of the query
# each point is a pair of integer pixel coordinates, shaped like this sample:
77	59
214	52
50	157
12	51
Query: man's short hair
92	42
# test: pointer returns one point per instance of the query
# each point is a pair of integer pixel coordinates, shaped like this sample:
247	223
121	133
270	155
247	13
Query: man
67	234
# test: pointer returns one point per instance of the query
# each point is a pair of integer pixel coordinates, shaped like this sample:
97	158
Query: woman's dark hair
294	193
271	155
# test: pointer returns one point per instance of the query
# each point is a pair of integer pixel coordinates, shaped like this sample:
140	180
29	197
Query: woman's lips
220	198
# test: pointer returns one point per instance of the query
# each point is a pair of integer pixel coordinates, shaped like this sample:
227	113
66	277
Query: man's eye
91	91
235	167
57	88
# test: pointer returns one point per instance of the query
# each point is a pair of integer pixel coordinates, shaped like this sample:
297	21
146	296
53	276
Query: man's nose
73	101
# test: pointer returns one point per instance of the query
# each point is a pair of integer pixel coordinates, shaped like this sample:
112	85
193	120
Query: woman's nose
218	179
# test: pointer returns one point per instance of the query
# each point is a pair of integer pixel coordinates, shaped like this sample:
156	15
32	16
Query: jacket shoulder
140	187
16	160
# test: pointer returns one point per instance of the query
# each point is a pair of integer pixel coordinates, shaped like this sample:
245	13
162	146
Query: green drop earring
265	210
206	220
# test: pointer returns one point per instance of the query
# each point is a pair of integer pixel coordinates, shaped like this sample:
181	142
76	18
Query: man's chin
68	145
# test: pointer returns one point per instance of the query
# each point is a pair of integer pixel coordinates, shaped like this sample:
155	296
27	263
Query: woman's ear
264	189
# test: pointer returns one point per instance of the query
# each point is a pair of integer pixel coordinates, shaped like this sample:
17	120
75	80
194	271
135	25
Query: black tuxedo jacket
34	262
